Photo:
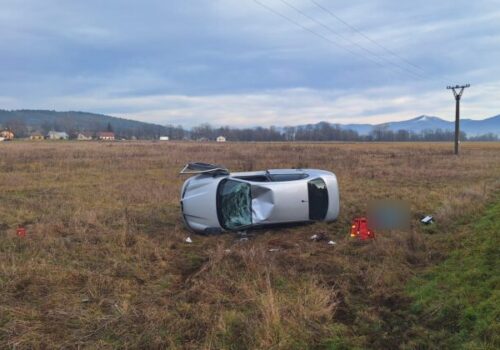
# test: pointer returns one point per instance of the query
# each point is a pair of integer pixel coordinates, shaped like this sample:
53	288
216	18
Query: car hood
199	206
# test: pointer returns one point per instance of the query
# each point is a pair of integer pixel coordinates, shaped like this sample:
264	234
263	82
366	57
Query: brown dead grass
104	264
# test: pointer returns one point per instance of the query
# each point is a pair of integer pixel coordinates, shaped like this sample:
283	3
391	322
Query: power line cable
331	13
354	53
382	58
360	32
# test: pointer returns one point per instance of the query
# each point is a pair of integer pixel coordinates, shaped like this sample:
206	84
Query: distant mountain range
425	122
44	120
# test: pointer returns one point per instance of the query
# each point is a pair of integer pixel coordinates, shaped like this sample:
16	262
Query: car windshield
234	204
318	199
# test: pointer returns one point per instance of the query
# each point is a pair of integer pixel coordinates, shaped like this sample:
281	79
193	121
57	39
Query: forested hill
27	121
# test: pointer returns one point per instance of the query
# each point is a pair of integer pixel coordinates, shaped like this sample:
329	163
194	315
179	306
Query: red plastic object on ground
361	230
21	232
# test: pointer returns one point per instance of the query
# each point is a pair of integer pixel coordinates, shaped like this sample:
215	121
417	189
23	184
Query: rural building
36	136
221	139
57	135
106	136
164	138
84	136
7	135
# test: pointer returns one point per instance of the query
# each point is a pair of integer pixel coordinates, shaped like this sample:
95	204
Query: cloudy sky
251	62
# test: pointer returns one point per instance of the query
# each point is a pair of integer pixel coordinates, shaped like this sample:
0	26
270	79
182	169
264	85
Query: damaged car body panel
214	201
279	202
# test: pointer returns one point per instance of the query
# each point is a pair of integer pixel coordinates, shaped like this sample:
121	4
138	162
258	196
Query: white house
84	136
221	139
57	135
164	138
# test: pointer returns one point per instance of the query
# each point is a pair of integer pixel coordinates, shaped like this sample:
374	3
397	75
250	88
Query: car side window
318	199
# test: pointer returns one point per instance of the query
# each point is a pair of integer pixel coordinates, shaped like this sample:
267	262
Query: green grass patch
458	302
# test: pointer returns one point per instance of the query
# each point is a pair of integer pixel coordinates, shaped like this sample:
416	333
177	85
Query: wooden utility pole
457	95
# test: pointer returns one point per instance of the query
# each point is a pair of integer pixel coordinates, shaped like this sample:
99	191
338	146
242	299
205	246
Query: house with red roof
106	136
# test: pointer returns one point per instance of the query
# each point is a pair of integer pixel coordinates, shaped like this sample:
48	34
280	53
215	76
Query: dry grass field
104	263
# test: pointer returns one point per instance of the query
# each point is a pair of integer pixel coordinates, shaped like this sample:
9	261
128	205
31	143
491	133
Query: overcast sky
234	62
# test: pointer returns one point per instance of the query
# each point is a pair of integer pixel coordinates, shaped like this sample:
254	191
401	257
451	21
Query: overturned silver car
215	200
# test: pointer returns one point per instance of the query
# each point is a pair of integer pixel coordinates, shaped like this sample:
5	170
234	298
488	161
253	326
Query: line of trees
313	132
325	132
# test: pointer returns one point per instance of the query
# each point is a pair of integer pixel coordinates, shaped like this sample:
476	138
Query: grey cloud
182	60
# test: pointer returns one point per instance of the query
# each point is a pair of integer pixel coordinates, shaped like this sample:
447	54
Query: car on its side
215	200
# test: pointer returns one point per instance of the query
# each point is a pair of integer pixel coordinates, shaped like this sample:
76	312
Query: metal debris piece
427	220
318	237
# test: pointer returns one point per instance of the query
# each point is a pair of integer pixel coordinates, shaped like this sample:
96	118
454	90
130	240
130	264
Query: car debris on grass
427	220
